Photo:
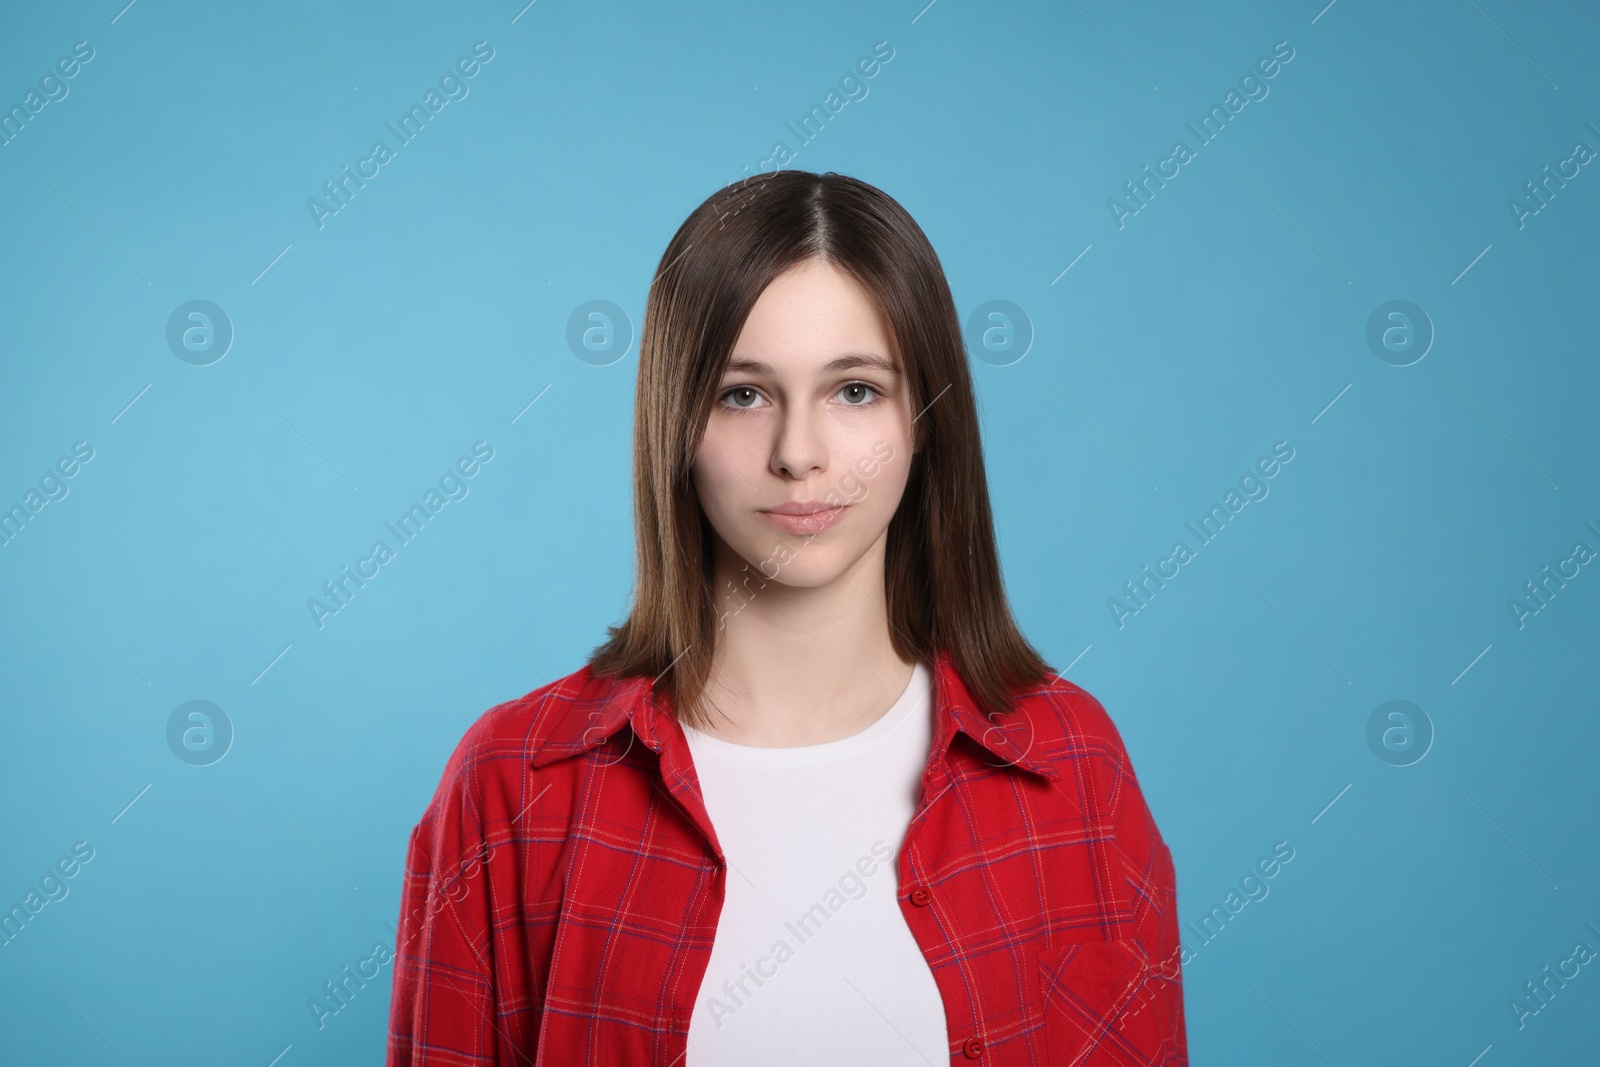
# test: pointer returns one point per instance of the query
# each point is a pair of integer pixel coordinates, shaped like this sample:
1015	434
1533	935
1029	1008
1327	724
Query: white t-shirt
813	961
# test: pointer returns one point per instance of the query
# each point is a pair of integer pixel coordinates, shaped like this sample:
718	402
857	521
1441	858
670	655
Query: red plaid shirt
563	887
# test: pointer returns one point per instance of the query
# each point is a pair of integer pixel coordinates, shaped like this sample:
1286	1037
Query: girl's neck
804	665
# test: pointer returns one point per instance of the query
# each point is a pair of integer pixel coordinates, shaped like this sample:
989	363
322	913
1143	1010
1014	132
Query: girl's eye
742	396
858	389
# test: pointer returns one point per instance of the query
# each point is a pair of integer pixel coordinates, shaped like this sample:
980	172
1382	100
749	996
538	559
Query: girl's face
808	446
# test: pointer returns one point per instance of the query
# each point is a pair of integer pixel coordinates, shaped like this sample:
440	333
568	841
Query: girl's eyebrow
847	361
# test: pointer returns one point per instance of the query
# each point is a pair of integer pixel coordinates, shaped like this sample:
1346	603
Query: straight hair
942	572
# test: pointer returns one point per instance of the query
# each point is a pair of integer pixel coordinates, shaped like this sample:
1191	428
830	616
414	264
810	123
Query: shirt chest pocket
1101	1007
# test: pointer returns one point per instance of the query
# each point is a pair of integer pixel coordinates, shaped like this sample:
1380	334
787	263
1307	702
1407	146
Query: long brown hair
942	573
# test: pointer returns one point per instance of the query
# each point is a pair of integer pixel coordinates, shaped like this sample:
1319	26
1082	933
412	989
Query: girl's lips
815	522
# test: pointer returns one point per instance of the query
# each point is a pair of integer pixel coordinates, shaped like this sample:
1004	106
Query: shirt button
920	896
973	1048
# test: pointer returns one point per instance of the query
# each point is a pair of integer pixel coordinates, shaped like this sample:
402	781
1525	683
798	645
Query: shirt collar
601	706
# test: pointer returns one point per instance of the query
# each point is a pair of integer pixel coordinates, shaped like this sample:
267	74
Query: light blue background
427	314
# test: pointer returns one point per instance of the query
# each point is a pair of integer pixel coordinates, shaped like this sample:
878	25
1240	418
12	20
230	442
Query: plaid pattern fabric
563	886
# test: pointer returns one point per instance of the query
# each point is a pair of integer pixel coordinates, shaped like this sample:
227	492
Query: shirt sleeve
1153	1017
445	1002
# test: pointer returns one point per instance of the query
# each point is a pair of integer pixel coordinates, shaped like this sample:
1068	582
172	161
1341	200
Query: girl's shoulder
497	752
1069	728
1067	716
